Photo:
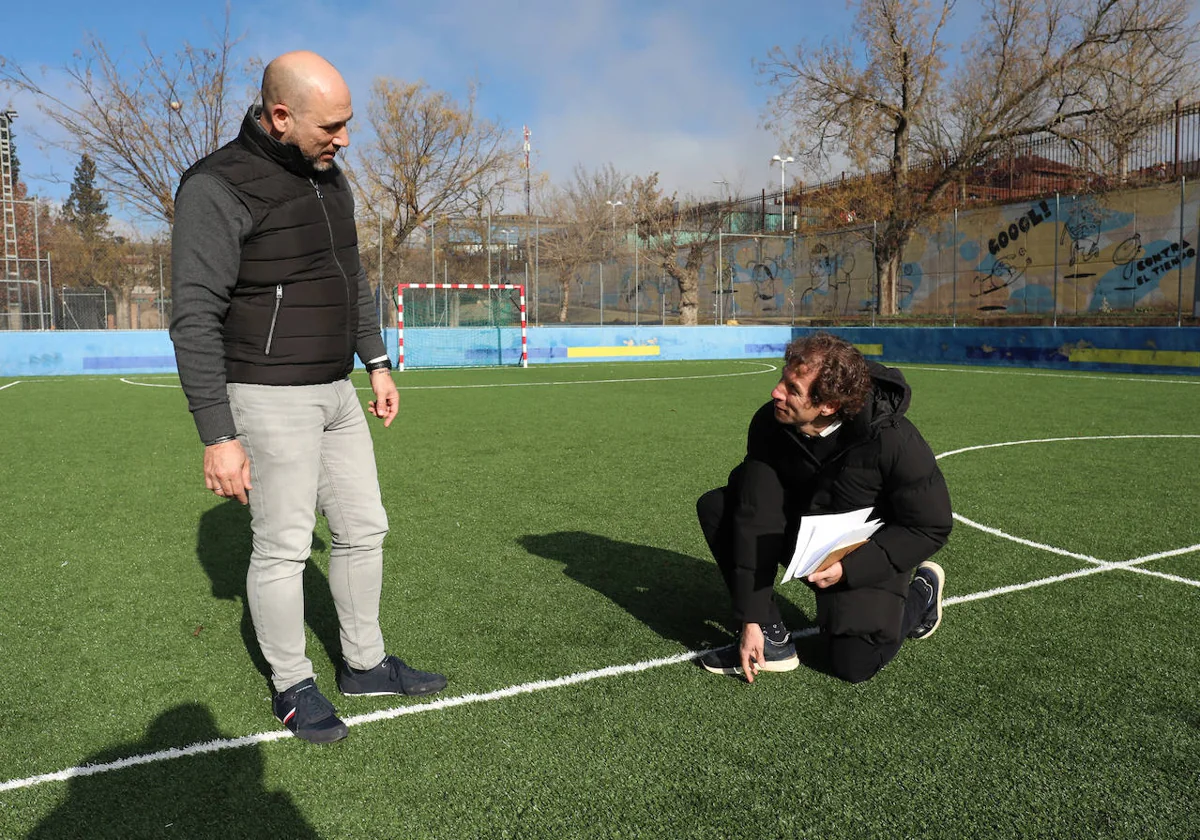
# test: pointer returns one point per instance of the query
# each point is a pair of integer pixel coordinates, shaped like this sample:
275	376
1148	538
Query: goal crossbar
498	287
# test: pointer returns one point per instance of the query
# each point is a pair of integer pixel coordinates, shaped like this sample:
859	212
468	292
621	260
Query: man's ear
828	409
280	117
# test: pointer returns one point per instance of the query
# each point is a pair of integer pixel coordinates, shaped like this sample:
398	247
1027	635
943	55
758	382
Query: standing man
270	306
834	438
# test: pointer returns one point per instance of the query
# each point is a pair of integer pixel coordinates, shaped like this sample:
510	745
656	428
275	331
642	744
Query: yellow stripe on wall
624	350
870	349
1166	358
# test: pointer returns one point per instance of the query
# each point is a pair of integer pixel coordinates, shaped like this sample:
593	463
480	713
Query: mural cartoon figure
1005	270
1126	254
830	272
1082	227
766	288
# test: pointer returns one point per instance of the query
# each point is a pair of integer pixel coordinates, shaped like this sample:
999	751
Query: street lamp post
783	162
613	242
613	249
719	305
507	256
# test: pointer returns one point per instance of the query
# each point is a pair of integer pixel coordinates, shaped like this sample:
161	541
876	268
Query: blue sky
648	86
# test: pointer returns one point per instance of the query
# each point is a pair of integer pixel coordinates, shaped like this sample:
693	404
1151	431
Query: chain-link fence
30	305
1129	253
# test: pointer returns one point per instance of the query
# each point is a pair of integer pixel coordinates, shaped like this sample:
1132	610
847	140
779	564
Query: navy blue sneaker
304	710
930	580
778	656
391	676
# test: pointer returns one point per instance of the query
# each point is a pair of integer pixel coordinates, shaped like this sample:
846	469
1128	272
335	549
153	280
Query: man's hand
387	398
828	577
227	470
751	649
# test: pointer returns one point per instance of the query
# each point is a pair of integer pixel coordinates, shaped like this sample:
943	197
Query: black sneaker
779	656
391	676
930	579
304	710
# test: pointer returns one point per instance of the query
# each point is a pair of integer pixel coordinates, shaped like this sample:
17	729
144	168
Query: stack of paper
822	534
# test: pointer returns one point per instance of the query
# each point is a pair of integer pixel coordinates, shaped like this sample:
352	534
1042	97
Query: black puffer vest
293	316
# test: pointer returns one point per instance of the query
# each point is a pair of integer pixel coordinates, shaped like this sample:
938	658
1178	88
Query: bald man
270	306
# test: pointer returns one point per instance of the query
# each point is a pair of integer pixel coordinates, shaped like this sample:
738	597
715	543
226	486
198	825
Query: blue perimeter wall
1156	350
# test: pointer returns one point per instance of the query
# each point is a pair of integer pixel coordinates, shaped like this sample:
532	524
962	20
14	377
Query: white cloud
648	86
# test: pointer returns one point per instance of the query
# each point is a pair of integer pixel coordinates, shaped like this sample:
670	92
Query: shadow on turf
677	596
211	795
223	549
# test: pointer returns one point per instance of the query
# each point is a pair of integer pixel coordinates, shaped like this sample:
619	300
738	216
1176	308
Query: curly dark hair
842	375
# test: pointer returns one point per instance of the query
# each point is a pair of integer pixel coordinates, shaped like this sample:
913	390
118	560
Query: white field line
1007	372
10	384
996	532
68	378
523	688
149	384
1061	440
617	670
1101	565
765	368
385	714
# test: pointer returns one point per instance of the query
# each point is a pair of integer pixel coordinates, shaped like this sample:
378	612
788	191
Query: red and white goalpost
461	325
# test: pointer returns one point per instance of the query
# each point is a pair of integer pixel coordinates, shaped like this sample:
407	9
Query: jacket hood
888	402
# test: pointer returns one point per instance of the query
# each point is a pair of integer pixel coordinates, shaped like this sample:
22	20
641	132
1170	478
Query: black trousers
854	659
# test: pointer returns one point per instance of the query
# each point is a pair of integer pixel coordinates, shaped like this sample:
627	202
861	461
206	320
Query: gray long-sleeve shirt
211	224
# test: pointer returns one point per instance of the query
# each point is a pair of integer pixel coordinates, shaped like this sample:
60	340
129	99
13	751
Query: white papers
822	533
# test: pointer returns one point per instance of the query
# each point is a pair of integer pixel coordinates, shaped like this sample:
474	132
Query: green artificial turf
546	530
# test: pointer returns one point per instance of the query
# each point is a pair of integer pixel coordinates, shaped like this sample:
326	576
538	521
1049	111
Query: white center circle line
1100	565
760	368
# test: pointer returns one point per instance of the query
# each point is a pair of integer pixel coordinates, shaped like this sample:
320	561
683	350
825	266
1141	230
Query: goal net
461	325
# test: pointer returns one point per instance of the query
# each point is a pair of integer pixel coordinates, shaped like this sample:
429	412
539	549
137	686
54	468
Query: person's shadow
216	795
677	596
223	549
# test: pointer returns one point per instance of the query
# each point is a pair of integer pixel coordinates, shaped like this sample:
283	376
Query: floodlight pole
720	276
783	162
612	247
1182	192
1056	238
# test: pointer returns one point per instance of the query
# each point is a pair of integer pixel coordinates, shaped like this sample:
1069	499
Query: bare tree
1033	67
579	231
431	157
145	125
678	237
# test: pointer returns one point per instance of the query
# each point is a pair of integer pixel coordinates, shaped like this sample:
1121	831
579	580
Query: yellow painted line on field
870	349
624	350
1166	358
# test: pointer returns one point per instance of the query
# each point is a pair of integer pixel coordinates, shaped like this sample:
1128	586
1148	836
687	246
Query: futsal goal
461	325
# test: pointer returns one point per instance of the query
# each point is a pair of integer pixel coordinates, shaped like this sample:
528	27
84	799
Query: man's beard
319	165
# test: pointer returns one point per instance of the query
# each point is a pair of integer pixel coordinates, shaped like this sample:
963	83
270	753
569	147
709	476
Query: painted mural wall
1125	251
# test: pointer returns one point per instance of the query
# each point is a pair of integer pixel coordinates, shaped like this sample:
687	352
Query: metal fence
1067	258
33	306
1128	253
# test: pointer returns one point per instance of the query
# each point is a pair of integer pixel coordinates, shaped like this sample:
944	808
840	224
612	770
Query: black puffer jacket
880	461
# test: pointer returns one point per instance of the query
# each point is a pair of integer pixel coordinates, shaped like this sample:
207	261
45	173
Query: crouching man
834	438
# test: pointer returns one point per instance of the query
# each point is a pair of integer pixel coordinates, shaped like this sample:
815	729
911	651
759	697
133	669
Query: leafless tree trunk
671	229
